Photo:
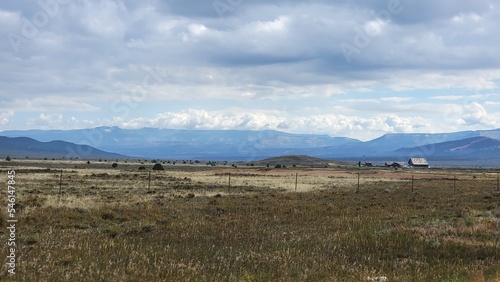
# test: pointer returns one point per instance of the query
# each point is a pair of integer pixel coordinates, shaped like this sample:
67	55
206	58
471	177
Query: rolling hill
22	147
290	160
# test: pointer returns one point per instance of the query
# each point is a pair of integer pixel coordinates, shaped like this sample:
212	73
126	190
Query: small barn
418	163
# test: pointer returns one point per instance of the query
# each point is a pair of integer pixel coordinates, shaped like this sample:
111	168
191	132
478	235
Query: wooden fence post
296	180
412	182
149	180
229	182
455	183
498	181
60	183
357	190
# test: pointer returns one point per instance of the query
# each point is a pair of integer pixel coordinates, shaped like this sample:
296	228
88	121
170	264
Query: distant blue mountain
21	147
388	145
470	147
157	143
187	144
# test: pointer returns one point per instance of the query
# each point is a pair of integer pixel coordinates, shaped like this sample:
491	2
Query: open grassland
194	223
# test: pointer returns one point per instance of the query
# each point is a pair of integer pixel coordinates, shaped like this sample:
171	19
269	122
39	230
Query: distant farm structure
395	164
418	163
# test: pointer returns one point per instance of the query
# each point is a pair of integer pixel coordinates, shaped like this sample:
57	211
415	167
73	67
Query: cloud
6	117
241	119
48	103
47	120
476	114
59	121
395	99
449	97
9	19
418	61
202	119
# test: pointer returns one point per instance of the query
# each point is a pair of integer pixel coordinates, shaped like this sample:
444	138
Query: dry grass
106	225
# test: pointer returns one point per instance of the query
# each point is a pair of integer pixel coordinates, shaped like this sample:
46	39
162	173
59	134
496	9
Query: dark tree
7	158
114	165
158	166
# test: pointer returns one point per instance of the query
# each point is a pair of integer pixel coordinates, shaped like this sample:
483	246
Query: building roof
418	161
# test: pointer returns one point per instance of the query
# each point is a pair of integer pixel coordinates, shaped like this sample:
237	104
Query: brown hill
297	160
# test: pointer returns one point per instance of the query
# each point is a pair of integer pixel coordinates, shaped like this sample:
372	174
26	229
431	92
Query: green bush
158	166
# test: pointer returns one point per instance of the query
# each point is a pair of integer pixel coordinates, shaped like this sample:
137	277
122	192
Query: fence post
498	181
357	190
455	183
149	180
296	180
412	182
60	183
229	182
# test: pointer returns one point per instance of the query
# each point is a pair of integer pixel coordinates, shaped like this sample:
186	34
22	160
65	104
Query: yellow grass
190	225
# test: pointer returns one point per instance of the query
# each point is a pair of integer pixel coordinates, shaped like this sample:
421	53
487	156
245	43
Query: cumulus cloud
5	117
476	114
202	119
60	121
47	120
240	119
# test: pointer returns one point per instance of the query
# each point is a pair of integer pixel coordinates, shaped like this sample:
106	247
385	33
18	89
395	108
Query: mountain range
157	143
480	146
20	147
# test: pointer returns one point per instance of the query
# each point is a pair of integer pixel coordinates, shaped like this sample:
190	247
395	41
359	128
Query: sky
347	68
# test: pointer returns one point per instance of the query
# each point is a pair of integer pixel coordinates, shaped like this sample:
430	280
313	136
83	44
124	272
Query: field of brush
91	222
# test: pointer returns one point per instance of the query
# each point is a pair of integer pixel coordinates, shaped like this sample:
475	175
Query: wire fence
207	182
